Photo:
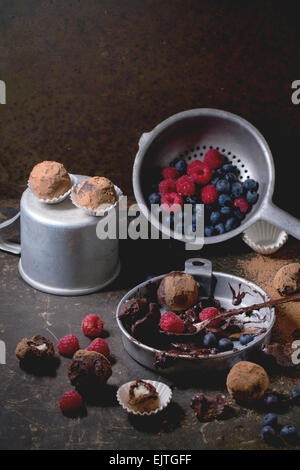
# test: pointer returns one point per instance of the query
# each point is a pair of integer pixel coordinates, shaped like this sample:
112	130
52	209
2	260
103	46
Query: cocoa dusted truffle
177	291
89	369
49	180
143	396
247	382
37	347
96	192
287	279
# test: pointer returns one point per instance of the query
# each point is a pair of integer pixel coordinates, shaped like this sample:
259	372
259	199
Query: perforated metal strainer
189	135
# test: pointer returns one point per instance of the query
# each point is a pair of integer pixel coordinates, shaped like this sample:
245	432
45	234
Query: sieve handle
281	219
10	247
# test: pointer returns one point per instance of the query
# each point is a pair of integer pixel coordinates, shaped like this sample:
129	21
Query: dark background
85	78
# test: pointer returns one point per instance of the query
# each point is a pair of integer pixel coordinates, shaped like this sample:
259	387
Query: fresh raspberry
99	345
200	172
185	186
68	345
171	322
170	173
70	401
213	158
92	325
241	203
166	186
209	312
209	194
171	202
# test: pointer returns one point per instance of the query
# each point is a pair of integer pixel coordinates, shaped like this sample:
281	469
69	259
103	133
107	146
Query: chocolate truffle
247	382
89	369
143	396
287	279
96	192
177	291
37	347
49	180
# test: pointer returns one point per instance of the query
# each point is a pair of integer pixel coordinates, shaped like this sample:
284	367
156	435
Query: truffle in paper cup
55	200
100	211
265	238
164	397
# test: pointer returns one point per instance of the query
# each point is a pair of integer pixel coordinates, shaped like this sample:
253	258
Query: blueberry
226	211
231	177
270	419
180	166
215	217
245	339
231	224
223	186
154	198
214	180
237	190
210	207
250	185
238	214
296	396
209	231
228	167
225	344
190	200
288	432
220	229
224	200
220	172
271	401
268	433
252	197
209	340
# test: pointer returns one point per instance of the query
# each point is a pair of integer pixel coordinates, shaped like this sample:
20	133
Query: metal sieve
188	135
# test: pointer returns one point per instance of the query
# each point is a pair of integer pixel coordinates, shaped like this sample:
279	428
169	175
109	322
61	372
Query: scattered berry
167	186
154	198
180	166
209	340
271	401
201	173
295	396
223	186
92	325
245	339
213	158
68	345
209	312
170	173
99	345
270	419
251	197
209	194
268	434
241	203
250	185
288	432
185	186
171	322
171	202
70	401
225	344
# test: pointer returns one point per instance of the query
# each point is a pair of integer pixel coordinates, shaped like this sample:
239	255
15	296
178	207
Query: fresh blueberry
154	198
210	207
270	419
180	166
250	185
224	200
288	432
238	214
296	396
214	180
209	231
209	340
223	186
271	401
236	190
251	196
225	344
190	200
231	177
226	211
268	433
231	224
215	217
220	229
228	167
245	339
220	172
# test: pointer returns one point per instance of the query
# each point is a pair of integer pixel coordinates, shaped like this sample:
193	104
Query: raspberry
171	322
213	158
92	325
241	203
185	186
70	401
200	172
171	202
99	345
209	194
170	173
68	345
166	186
192	166
209	312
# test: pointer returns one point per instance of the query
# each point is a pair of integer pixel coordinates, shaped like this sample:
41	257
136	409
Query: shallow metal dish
201	270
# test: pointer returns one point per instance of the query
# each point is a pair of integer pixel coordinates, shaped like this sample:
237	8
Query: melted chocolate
237	297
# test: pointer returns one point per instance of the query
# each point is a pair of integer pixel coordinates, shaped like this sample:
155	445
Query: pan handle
10	247
281	219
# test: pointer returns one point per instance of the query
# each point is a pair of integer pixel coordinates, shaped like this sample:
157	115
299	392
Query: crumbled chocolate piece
147	325
89	368
37	347
207	408
132	310
163	360
280	353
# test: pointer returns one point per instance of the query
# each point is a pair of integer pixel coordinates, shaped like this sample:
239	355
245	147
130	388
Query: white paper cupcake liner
88	210
55	200
264	238
164	394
